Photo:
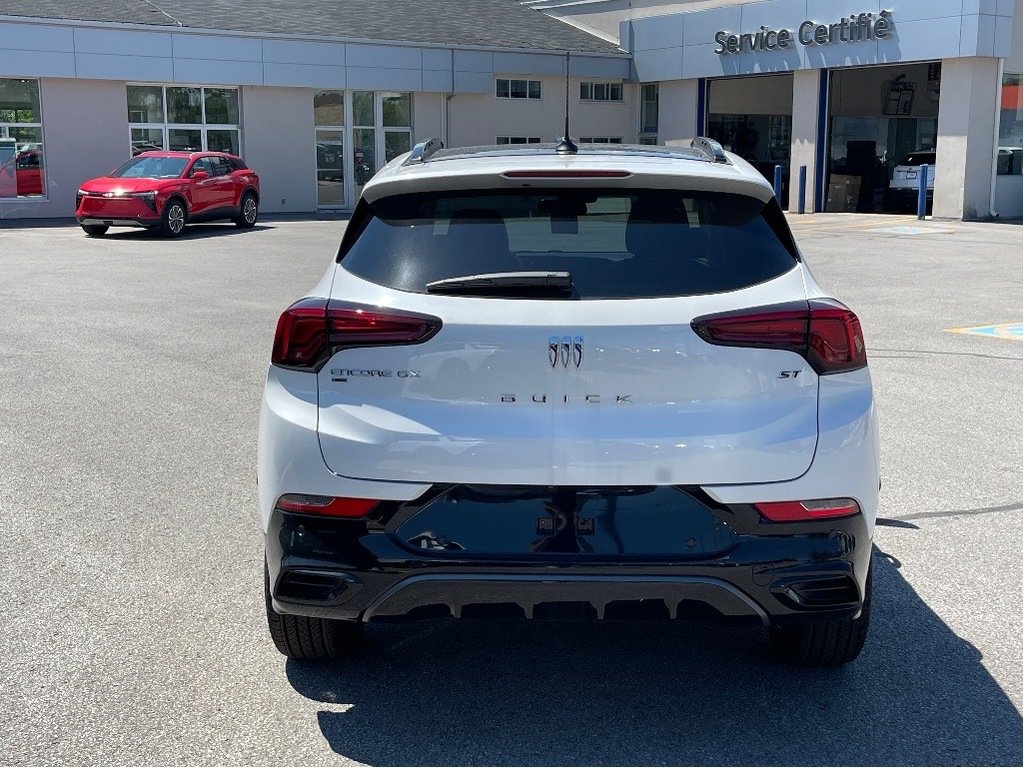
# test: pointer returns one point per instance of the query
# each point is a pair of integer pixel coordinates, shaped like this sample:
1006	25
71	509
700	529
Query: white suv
554	383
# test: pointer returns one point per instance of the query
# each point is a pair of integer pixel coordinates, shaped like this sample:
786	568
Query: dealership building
318	96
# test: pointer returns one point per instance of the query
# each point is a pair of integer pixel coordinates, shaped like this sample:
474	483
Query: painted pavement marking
1012	331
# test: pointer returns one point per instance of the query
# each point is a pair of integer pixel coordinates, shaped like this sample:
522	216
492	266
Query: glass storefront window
147	139
396	143
221	106
357	132
184	105
362	108
649	113
1008	162
196	118
397	109
22	167
329	108
330	169
146	104
185	139
222	141
364	150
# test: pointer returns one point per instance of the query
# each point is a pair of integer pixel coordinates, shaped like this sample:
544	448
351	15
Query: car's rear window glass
616	243
918	158
152	168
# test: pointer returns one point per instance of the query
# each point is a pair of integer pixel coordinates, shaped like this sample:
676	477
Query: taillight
329	506
311	330
797	511
825	332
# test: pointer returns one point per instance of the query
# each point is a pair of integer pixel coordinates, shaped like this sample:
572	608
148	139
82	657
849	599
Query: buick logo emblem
563	349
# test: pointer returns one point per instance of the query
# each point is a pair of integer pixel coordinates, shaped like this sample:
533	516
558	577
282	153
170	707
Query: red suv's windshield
152	168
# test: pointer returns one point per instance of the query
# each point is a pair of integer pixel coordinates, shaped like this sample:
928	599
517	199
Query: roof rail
422	151
710	148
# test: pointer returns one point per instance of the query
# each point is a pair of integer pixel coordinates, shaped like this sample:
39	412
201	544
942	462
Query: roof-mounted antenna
566	145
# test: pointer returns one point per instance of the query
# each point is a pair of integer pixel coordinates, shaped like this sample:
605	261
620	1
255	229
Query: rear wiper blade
506	283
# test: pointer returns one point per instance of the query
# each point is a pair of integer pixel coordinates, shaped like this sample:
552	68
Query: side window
203	164
221	166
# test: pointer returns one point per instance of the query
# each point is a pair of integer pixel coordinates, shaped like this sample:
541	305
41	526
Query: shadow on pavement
450	693
192	232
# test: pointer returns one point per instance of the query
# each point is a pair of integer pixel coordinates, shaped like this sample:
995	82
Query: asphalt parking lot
133	627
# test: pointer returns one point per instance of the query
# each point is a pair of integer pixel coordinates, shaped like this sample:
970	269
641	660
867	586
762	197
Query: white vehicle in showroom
592	382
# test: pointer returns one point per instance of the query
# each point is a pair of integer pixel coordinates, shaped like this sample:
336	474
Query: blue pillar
778	184
922	191
802	195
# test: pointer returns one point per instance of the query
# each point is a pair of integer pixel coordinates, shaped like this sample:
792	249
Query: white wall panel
702	61
114	67
753	15
437	58
919	10
218	72
986	35
667	33
375	56
295	52
15	63
474	61
528	63
217	47
662	64
36	37
592	66
304	75
922	41
383	79
474	82
437	81
700	28
124	43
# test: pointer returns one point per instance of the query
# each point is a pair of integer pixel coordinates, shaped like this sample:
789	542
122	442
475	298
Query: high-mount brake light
825	332
563	174
313	329
798	511
328	506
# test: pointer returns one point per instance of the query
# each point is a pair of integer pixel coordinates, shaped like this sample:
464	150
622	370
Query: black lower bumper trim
529	592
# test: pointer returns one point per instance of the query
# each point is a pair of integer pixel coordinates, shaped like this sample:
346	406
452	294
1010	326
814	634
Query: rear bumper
358	570
86	221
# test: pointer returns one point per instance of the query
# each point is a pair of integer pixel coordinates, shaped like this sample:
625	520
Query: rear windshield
152	168
918	158
622	243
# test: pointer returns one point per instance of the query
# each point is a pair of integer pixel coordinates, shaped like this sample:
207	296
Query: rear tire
95	230
248	211
175	216
307	638
825	643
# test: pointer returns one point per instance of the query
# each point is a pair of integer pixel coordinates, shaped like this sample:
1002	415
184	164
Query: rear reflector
824	332
561	174
311	330
329	506
794	511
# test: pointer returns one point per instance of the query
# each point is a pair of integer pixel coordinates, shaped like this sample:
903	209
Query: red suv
164	190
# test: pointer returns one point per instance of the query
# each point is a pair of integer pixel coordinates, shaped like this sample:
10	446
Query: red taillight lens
328	506
836	339
301	337
311	330
796	511
783	327
826	333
